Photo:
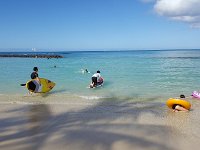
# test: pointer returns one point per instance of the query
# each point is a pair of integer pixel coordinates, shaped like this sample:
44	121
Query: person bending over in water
95	78
177	108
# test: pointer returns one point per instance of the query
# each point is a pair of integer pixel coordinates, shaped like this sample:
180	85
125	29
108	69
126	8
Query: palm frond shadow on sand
102	126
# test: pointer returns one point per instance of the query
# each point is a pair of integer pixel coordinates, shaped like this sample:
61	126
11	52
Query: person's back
97	75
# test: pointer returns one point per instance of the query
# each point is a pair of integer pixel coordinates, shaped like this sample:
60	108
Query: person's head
35	69
182	96
31	86
98	71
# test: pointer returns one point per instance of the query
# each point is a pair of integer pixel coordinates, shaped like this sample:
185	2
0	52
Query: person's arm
38	79
180	108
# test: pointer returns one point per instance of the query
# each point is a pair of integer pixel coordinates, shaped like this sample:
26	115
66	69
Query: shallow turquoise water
127	74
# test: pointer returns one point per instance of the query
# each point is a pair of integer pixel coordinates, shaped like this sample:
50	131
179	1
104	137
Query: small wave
21	102
195	57
180	67
92	97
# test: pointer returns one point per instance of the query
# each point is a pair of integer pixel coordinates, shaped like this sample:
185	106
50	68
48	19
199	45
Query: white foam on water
93	97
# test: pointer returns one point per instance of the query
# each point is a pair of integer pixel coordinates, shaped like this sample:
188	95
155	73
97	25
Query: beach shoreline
97	125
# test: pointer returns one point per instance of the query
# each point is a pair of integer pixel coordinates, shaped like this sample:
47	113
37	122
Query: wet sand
98	125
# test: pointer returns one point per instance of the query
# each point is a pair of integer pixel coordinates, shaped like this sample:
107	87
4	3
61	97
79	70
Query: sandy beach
144	51
97	125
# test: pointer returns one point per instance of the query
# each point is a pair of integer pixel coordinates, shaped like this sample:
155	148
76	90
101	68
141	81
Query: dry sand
98	125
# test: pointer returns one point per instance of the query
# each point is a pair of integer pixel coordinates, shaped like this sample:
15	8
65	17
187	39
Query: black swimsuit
34	75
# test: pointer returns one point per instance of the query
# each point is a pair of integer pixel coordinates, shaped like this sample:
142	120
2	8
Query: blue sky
99	24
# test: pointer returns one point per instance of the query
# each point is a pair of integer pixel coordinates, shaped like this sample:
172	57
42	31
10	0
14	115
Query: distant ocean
129	75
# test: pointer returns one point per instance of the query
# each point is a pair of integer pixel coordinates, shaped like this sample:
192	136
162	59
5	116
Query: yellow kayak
44	86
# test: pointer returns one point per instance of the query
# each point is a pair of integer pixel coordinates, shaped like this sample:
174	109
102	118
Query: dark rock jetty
31	55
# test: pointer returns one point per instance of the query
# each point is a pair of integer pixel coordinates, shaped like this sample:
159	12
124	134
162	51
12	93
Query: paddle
23	84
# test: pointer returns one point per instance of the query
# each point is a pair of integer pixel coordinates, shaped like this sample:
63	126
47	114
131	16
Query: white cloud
181	10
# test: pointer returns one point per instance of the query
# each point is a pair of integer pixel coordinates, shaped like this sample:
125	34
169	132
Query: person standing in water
34	85
34	74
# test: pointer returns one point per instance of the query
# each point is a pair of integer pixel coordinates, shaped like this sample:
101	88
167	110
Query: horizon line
92	50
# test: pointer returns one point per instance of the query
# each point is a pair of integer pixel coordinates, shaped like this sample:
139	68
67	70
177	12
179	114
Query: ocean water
129	75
